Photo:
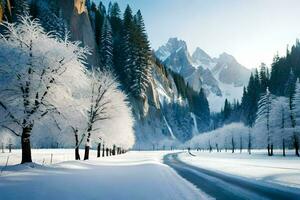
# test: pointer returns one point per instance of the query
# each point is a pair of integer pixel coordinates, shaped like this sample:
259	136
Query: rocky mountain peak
226	58
200	57
173	45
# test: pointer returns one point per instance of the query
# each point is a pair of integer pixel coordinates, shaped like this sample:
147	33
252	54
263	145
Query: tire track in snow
222	186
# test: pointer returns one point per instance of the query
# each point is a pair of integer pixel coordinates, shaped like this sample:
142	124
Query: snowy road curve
222	186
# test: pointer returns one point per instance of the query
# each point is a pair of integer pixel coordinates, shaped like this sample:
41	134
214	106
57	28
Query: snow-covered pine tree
106	46
263	77
263	117
50	16
250	99
290	84
18	8
295	116
37	85
116	25
127	58
141	72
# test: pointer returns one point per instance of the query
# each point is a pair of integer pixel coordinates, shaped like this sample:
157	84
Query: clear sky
251	30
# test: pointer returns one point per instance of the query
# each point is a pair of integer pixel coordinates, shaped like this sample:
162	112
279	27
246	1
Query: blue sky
251	30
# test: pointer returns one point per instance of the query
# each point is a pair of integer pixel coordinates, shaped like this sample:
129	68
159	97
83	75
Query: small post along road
222	186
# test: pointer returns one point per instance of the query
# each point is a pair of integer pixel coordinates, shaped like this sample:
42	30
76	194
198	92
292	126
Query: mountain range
221	78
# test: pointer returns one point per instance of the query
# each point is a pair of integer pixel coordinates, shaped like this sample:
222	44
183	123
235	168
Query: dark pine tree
106	46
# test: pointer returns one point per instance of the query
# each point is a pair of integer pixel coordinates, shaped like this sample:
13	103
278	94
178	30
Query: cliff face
77	17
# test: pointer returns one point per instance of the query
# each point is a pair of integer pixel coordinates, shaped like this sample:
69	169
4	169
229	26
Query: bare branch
11	130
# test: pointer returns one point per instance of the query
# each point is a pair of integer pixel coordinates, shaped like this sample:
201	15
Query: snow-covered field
134	175
258	166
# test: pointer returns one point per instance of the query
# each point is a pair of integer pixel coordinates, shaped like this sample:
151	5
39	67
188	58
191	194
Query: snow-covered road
224	186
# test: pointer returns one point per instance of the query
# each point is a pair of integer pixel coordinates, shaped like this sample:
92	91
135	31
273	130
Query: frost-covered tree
295	117
227	137
280	122
108	114
263	117
106	46
38	74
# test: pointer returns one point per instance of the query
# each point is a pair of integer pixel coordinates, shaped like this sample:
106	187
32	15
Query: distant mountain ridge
221	77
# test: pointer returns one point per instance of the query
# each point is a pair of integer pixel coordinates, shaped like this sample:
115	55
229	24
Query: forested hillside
165	108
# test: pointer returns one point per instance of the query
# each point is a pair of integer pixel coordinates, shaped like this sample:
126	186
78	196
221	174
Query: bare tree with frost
108	113
38	74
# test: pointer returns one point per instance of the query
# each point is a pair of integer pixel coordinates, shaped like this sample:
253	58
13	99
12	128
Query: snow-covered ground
141	175
134	175
258	166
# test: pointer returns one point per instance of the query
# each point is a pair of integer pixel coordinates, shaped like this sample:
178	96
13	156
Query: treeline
123	45
280	80
197	100
266	89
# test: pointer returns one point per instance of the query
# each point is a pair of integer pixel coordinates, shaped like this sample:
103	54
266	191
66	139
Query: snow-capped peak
200	57
226	58
172	46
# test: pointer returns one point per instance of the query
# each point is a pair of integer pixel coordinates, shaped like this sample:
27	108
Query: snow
169	128
162	94
229	92
134	175
257	166
195	128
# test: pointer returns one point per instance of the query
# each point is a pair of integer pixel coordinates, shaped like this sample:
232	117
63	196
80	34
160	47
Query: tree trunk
269	152
103	150
271	149
296	145
114	150
241	144
25	143
86	152
249	144
77	155
283	147
232	143
87	147
106	152
98	150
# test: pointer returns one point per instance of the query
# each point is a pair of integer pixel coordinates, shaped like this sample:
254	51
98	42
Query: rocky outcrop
77	17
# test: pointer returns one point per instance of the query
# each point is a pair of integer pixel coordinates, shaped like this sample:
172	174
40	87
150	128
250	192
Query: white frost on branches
44	86
39	74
